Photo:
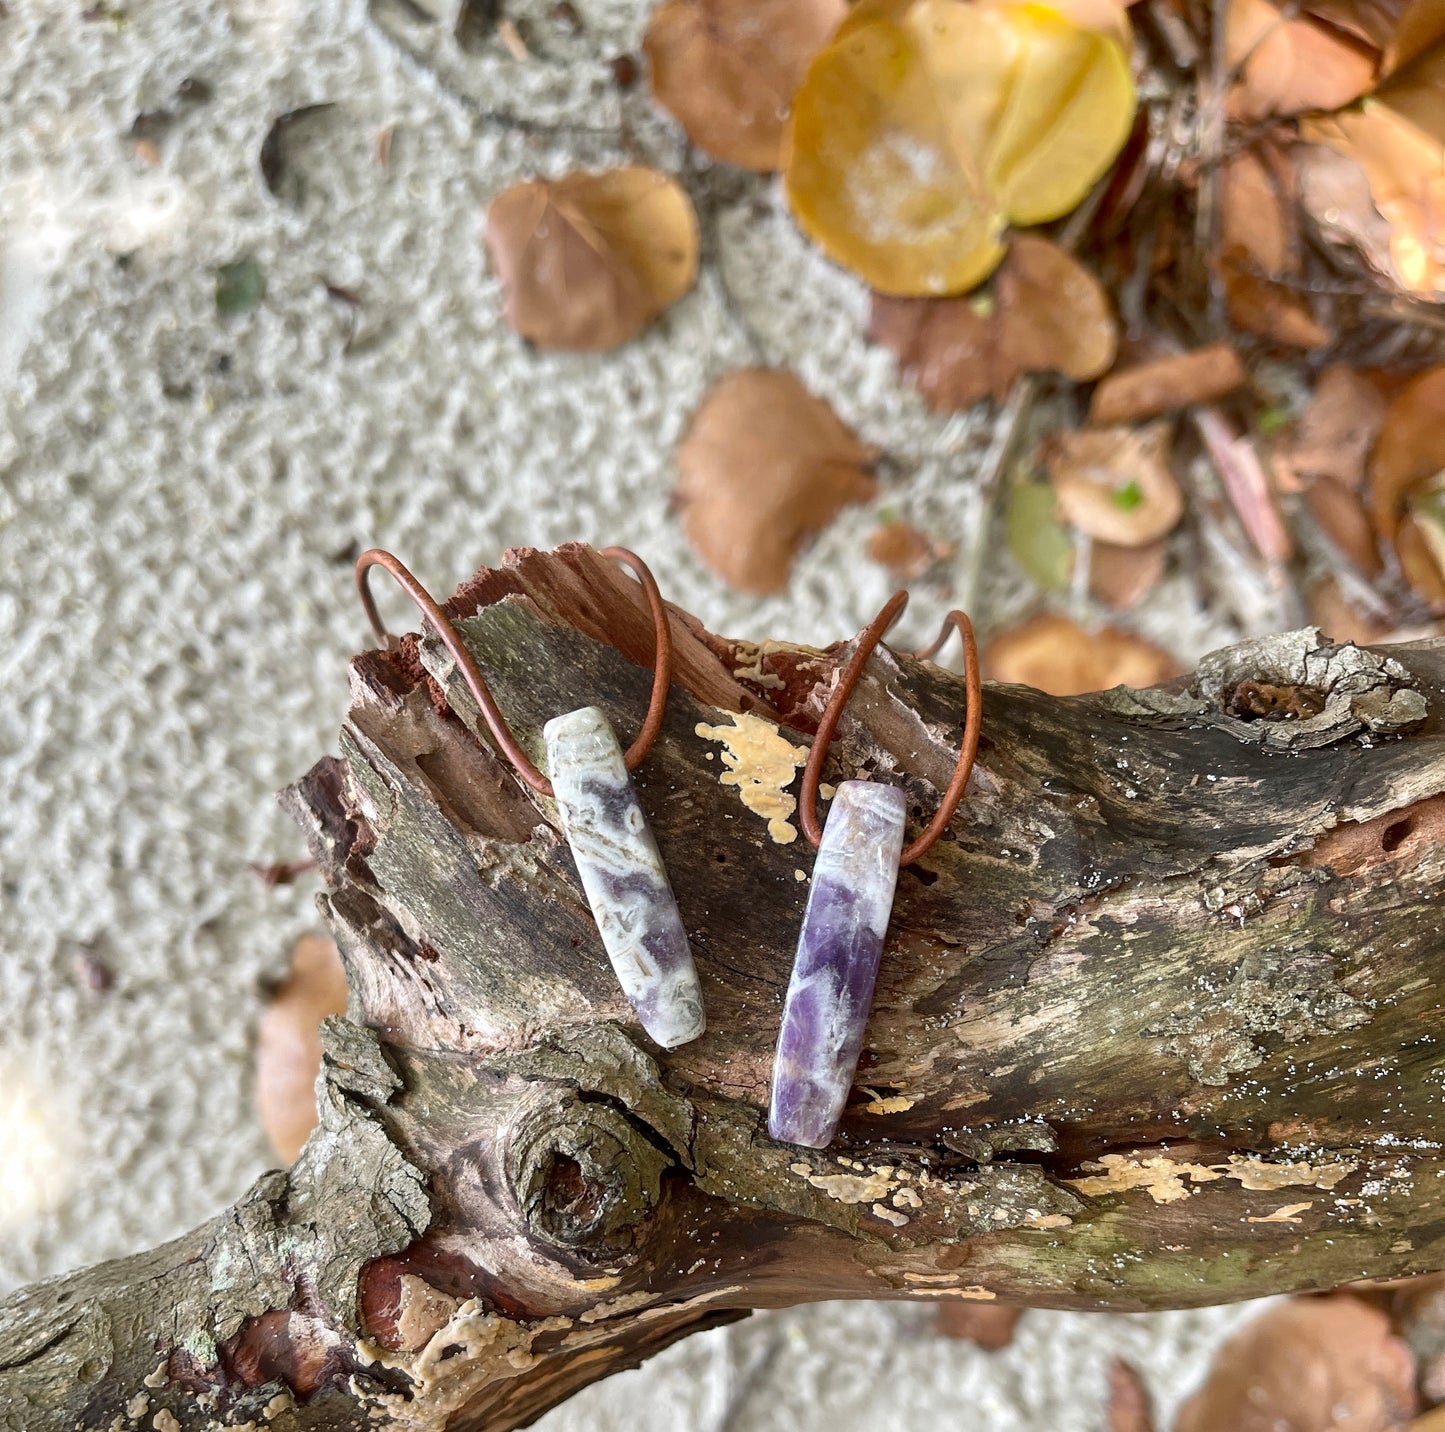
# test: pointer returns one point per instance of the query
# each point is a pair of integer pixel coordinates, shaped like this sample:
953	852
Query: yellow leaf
925	128
1069	111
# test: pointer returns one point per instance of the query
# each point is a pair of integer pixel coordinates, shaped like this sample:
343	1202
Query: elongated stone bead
623	876
839	946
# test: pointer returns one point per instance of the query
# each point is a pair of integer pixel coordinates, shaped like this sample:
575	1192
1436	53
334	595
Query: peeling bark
1158	1025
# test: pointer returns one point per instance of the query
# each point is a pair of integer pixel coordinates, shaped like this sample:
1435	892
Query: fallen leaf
1420	545
288	1043
727	70
925	127
1128	1407
1256	217
1115	483
1342	517
1056	655
764	465
1397	137
1051	313
1336	431
1260	249
1270	310
904	551
1338	618
1036	536
1147	389
987	1324
1307	1365
1046	313
945	346
1410	451
1121	577
1401	29
240	286
589	260
1288	65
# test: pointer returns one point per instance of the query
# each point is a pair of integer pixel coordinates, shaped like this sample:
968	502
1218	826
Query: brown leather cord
868	639
497	723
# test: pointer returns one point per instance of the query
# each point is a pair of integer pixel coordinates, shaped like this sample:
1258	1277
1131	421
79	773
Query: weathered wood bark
1158	1025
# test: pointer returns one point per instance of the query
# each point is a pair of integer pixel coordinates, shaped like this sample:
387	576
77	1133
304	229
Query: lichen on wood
1157	1025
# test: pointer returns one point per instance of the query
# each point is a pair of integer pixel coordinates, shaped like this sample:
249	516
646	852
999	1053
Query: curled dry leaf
589	260
1289	65
1342	517
763	465
904	551
1047	313
1116	484
926	126
1410	452
1128	1407
1121	577
1397	138
727	70
1338	618
1335	432
288	1045
990	1325
1056	655
1400	29
1148	389
1260	249
1309	1365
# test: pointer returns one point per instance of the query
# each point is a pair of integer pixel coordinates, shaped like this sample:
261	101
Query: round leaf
727	70
925	128
589	260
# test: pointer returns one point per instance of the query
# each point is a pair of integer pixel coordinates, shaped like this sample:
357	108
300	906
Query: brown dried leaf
1308	1365
1269	310
1334	614
1147	389
1051	313
288	1043
1410	451
1121	577
989	1325
1115	483
1259	250
1397	137
1402	29
727	70
1256	217
1288	66
764	465
589	260
1129	1409
904	551
1047	313
1336	431
1421	563
1342	517
946	346
1056	655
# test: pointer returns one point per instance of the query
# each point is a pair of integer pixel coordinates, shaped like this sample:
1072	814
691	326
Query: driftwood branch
1158	1025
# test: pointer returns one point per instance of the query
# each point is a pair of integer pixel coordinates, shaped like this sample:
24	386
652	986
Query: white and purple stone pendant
841	941
623	876
860	852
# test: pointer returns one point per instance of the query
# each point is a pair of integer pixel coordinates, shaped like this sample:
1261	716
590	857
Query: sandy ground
181	493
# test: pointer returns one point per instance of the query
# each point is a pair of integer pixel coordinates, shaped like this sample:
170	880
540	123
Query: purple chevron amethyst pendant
839	946
860	852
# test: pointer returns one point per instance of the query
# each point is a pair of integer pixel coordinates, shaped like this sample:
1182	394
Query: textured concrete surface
181	493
